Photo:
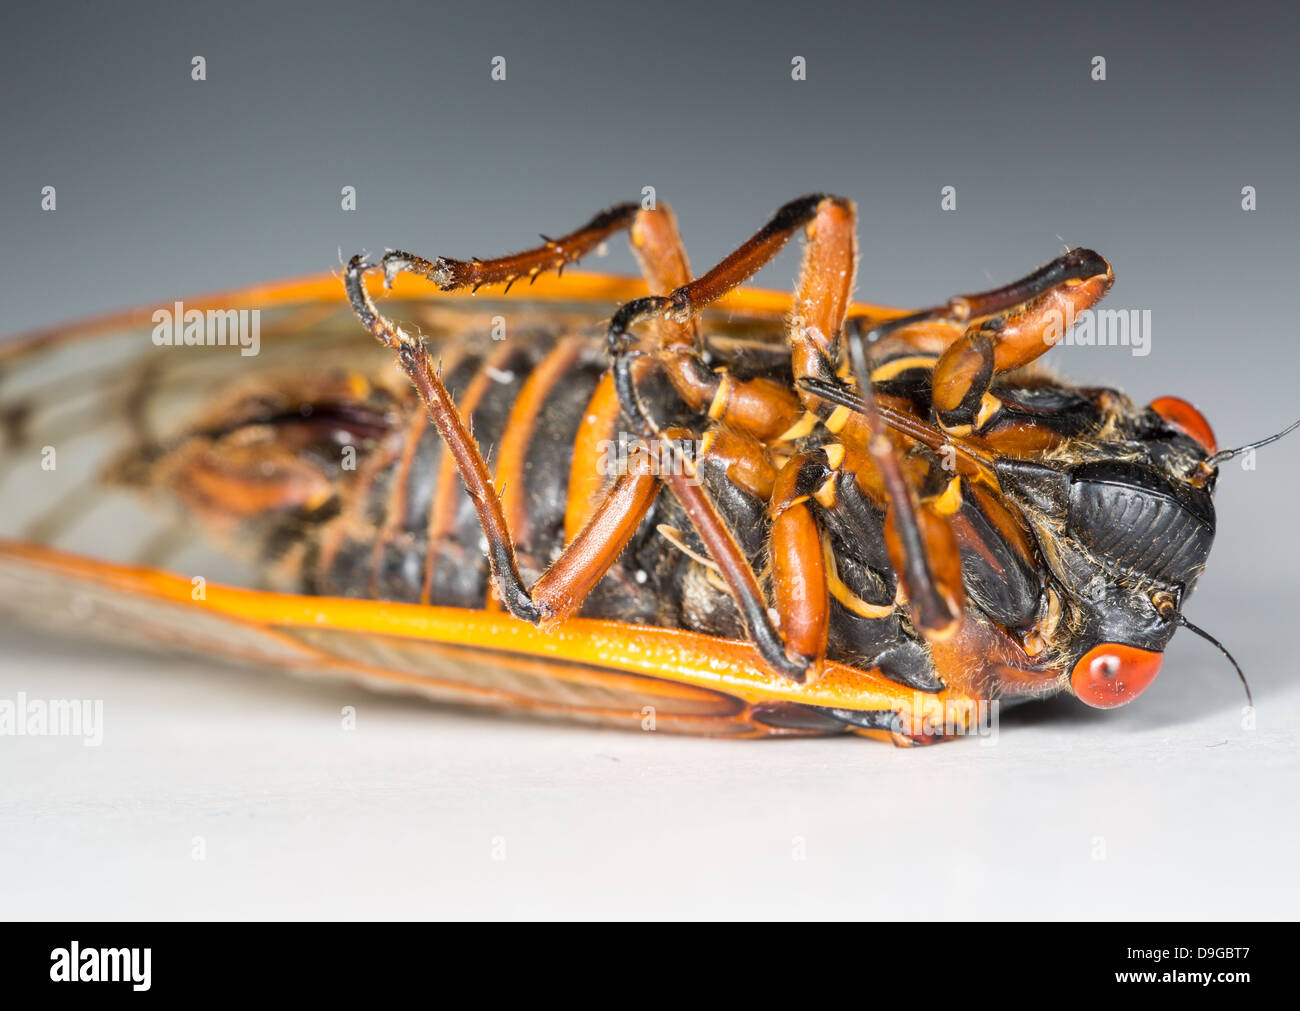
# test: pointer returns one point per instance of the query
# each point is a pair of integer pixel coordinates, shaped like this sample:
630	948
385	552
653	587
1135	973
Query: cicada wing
597	671
76	401
398	652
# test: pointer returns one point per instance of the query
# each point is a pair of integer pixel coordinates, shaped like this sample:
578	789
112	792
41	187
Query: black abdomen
408	531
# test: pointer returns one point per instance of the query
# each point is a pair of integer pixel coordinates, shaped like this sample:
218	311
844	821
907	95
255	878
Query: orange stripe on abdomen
517	438
585	479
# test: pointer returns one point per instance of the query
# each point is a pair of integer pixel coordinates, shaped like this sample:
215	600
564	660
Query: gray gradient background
168	187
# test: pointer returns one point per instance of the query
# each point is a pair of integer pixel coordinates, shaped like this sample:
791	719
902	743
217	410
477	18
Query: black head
1126	541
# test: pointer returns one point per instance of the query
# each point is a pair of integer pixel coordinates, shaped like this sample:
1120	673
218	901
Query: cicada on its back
672	503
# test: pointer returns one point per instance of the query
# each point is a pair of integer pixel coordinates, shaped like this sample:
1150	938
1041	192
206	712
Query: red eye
1188	420
1112	675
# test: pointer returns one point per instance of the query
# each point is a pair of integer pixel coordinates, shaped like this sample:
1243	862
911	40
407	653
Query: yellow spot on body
949	501
838	419
899	365
799	429
719	405
825	493
850	600
358	385
989	406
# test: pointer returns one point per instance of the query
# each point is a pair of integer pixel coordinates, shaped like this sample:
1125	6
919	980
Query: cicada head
1126	540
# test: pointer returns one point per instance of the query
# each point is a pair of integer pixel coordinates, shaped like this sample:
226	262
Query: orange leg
976	337
825	288
941	325
767	410
994	344
799	577
799	585
919	536
553	254
725	552
742	458
560	590
760	407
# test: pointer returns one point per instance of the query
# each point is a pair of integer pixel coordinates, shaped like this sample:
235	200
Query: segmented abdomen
408	531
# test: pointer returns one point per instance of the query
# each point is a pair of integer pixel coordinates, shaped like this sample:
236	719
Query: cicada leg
553	254
561	589
757	406
996	344
921	544
799	586
941	325
763	408
746	413
770	411
924	551
791	636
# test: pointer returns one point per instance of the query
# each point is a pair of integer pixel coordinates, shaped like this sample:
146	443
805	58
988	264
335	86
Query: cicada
668	503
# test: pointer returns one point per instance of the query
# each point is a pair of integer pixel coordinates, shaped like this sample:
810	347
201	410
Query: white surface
1194	816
